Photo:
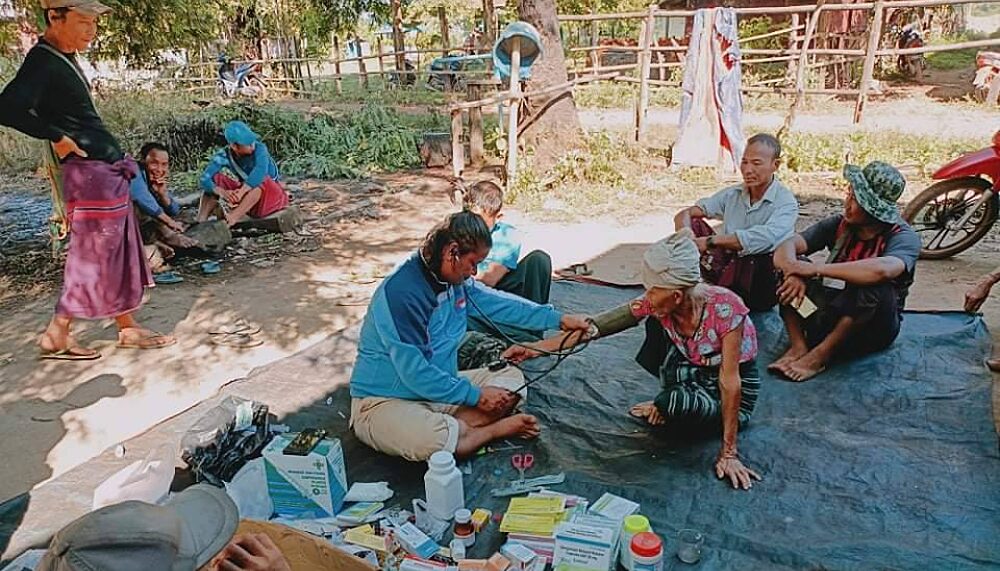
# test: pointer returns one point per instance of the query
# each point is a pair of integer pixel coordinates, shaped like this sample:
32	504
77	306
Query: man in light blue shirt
757	216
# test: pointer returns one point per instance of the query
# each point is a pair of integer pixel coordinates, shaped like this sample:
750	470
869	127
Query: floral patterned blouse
724	311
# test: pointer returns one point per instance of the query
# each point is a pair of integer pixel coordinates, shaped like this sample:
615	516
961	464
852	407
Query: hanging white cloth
711	123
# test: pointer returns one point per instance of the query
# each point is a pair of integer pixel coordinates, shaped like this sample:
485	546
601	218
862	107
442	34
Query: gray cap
181	535
89	7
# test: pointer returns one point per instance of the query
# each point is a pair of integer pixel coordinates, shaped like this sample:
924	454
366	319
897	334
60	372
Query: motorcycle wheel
942	204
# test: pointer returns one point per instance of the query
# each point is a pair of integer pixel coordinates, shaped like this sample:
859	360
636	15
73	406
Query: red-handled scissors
522	463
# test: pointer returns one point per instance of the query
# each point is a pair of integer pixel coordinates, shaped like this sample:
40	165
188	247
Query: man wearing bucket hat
195	529
105	274
255	190
862	285
700	343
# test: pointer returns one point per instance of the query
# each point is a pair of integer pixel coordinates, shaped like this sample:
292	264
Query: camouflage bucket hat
877	187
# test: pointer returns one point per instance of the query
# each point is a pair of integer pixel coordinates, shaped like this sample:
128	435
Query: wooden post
336	64
362	67
398	43
595	42
515	104
381	60
476	147
793	42
800	78
457	150
445	40
869	69
645	41
489	23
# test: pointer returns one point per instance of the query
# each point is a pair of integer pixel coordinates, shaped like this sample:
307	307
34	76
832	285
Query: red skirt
272	198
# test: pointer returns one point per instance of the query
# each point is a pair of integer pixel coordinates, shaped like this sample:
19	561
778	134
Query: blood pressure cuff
615	320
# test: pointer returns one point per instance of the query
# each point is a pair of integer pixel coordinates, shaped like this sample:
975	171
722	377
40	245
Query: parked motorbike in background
911	65
987	81
245	79
952	215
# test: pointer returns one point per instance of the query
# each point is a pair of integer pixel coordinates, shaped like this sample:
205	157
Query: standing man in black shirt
106	270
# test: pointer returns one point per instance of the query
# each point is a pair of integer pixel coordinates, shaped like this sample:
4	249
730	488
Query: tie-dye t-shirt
724	311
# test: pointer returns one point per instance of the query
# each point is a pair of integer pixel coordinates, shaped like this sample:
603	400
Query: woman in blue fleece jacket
408	397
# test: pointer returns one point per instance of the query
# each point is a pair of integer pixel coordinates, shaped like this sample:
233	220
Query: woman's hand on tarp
975	297
729	467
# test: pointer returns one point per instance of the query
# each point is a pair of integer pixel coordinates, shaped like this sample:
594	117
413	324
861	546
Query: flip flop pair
240	335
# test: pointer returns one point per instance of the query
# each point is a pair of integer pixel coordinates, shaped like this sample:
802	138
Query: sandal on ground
575	270
209	268
71	354
148	340
167	278
238	327
237	341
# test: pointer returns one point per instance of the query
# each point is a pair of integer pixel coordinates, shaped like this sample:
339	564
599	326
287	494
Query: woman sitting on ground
256	190
700	343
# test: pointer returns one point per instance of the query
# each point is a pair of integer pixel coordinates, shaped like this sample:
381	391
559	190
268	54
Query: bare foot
647	411
794	353
805	368
518	426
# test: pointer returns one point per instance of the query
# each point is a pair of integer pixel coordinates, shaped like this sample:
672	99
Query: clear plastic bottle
443	486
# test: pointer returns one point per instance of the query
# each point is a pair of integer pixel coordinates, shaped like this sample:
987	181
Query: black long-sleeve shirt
47	100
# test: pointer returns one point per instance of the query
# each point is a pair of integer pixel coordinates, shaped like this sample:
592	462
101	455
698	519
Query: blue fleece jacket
148	204
414	325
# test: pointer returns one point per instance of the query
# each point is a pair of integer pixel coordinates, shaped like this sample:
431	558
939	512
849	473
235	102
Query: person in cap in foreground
195	529
106	273
699	342
856	297
255	191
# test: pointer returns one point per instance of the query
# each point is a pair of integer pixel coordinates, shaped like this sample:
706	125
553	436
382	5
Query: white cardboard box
310	486
584	548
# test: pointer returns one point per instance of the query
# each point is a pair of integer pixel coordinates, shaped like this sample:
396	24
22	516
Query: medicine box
416	542
305	487
584	548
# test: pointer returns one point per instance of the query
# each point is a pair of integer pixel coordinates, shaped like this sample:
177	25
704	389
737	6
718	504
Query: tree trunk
398	43
552	126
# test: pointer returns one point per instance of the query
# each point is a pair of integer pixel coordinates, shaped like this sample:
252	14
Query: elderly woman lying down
700	342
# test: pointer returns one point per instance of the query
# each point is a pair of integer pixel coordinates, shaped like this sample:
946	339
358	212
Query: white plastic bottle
443	486
647	552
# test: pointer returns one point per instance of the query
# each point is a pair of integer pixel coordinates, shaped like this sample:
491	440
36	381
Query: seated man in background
852	304
256	190
157	209
503	268
757	216
408	397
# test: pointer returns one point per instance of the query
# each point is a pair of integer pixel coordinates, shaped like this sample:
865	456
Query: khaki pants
416	429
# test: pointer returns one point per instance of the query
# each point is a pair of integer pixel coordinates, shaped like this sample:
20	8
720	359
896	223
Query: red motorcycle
952	215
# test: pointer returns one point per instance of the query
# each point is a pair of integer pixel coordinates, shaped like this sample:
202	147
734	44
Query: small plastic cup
689	545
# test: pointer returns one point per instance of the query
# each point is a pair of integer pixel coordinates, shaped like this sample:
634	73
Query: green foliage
372	139
758	26
811	152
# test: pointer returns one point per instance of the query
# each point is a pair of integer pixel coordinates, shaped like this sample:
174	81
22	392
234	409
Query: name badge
833	283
